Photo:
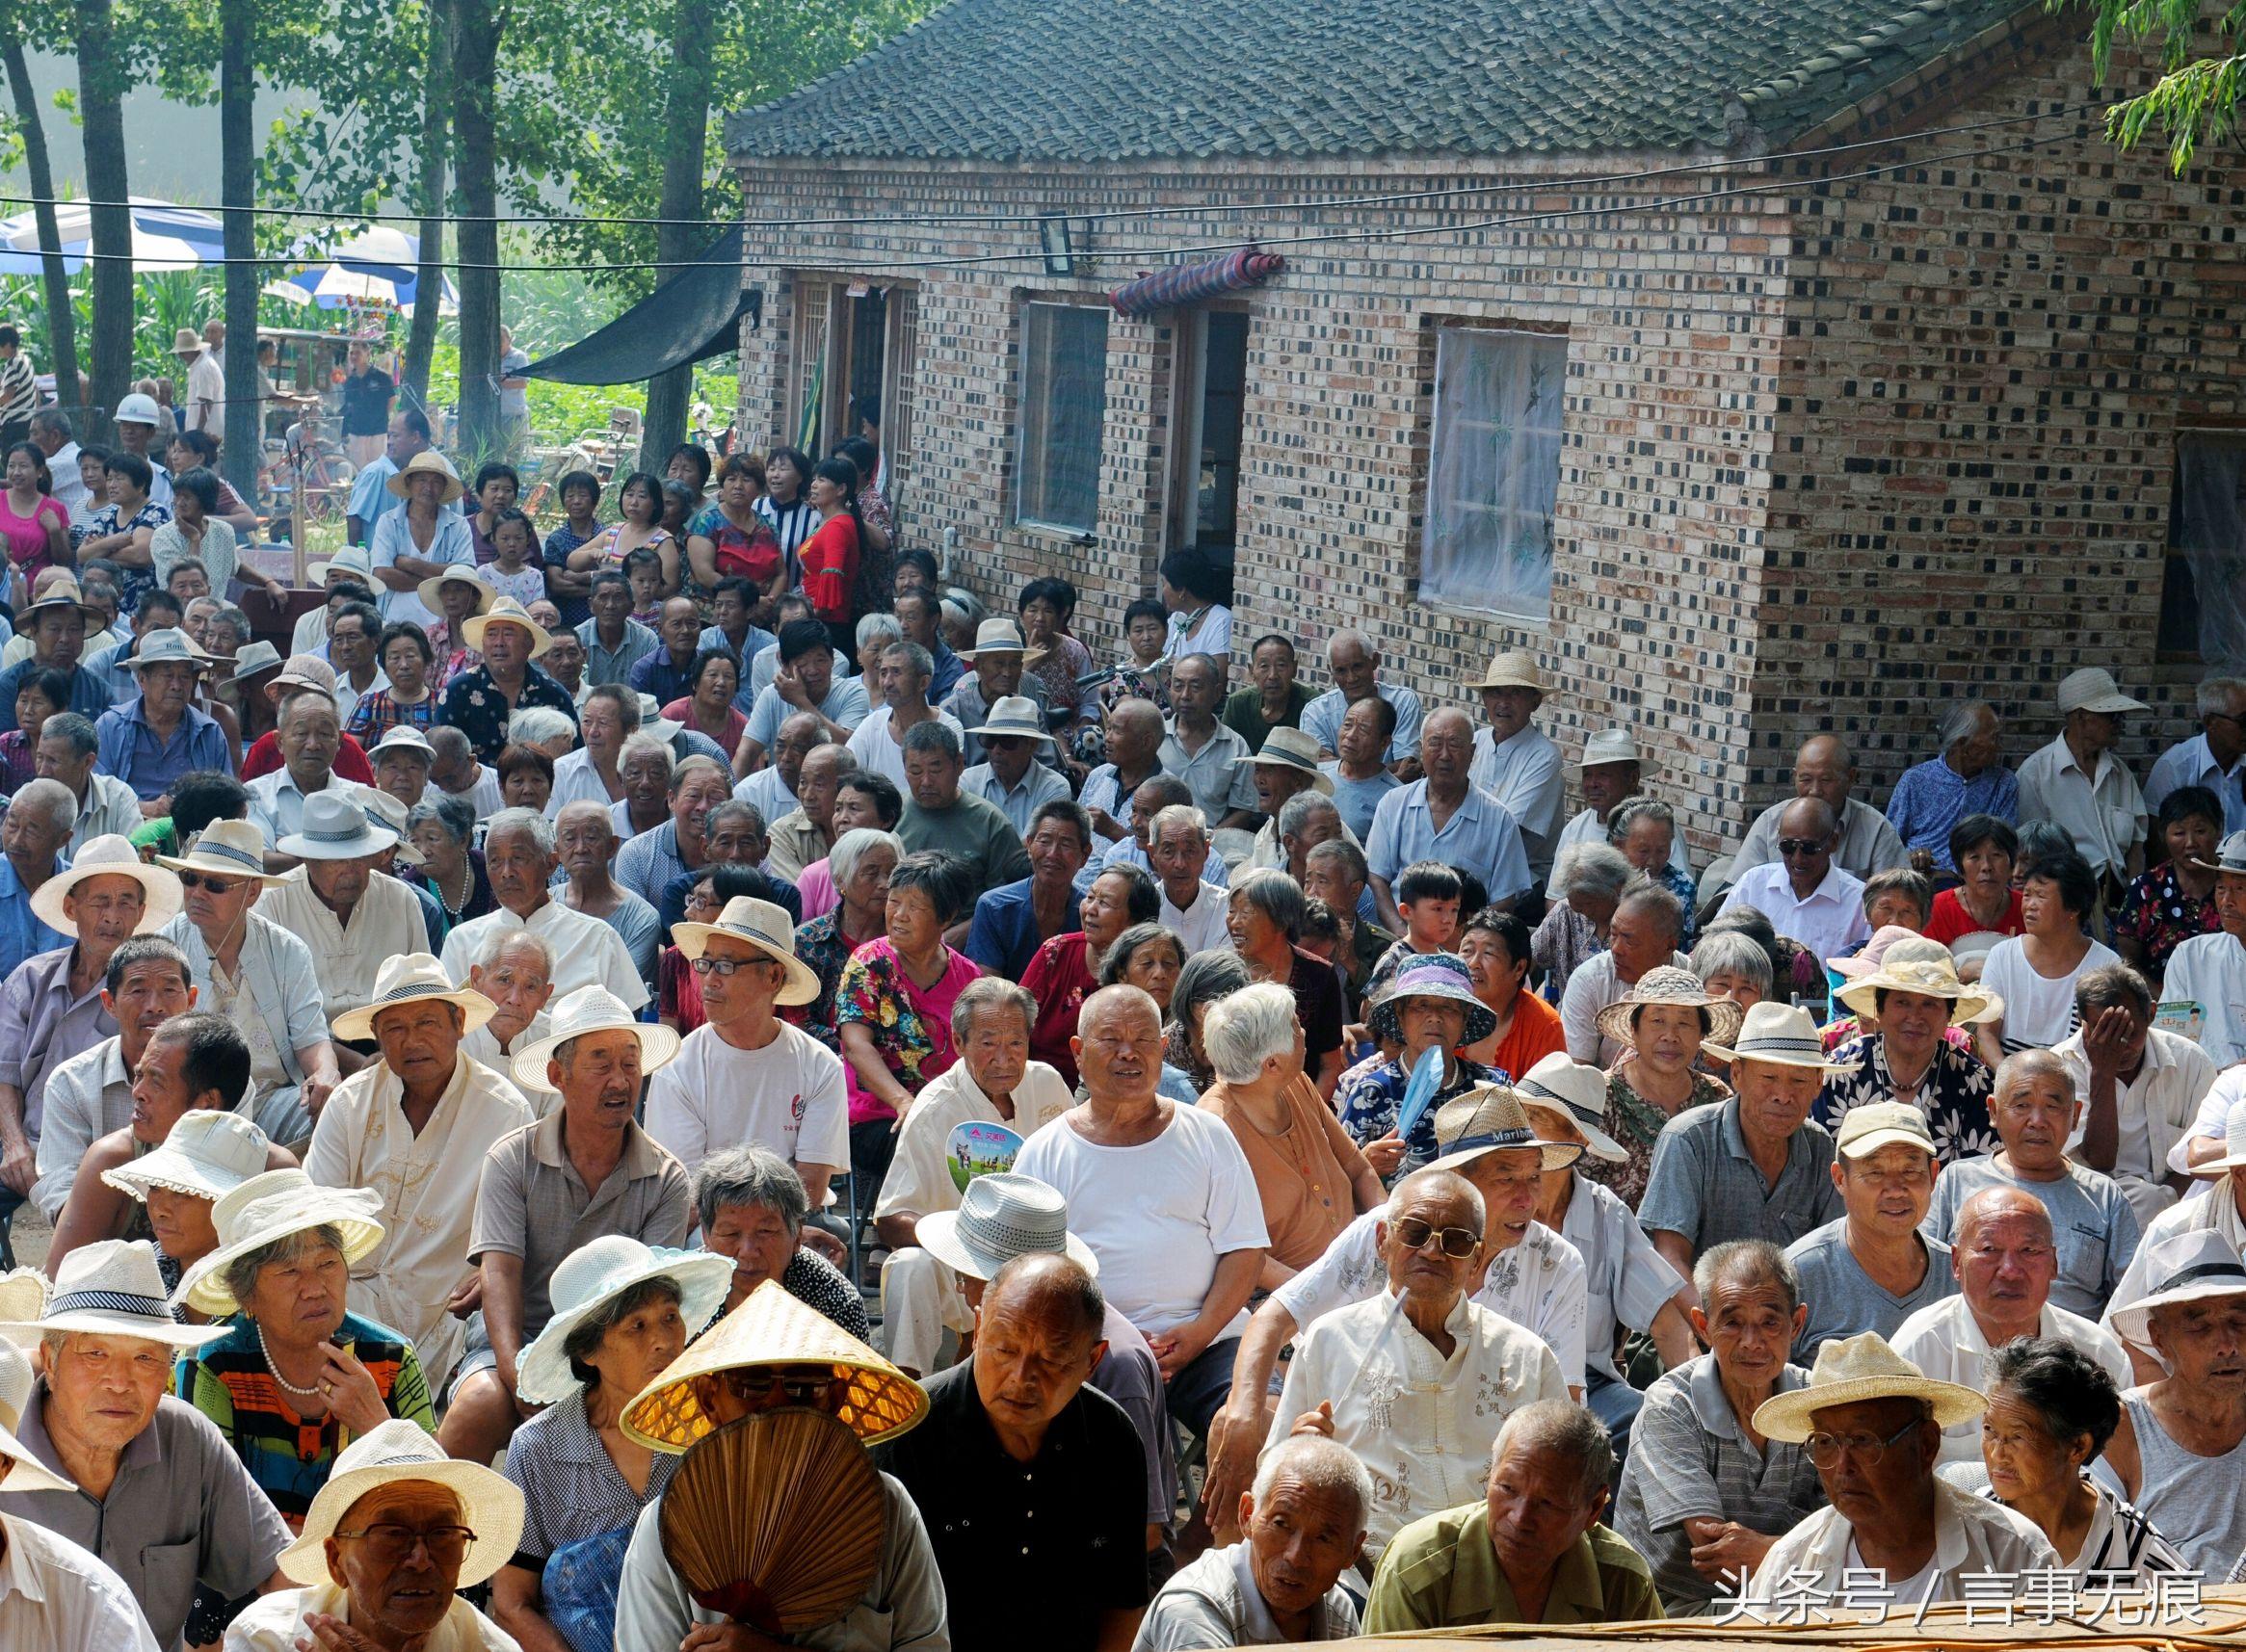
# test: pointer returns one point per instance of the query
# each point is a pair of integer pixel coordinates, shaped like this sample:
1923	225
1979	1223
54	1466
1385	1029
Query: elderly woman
1916	1000
1984	850
860	863
892	1004
750	1205
1849	1024
1498	951
713	681
1066	967
2174	902
526	777
296	1374
1263	914
1429	1006
1590	880
1644	830
443	830
622	1312
644	768
1733	965
1310	1177
1661	1026
2051	1410
2034	972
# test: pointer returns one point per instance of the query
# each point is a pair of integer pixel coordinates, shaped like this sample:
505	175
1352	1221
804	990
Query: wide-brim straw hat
398	1450
22	1472
2230	855
594	1009
764	925
109	856
1291	748
336	827
1511	668
1016	717
188	342
1569	1086
414	978
430	590
2187	1266
1001	1217
1925	967
225	849
1851	1370
1781	1034
506	610
423	463
2093	689
1431	975
207	1155
1609	746
1678	988
2234	1146
270	1207
1488	1119
995	636
112	1287
595	1274
62	593
1872	954
769	1328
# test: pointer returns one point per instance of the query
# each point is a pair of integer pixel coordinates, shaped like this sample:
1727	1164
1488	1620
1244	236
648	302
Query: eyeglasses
1825	1450
699	901
1792	846
1457	1242
394	1545
724	966
192	881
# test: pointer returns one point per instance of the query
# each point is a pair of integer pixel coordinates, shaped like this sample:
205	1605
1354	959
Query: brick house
1769	368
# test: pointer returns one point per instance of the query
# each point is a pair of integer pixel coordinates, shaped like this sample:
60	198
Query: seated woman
1185	988
443	831
860	863
1066	967
1429	1006
714	685
1734	965
622	1311
750	1205
1661	1026
1644	832
1498	953
1918	1050
2034	972
1589	882
2174	902
1984	902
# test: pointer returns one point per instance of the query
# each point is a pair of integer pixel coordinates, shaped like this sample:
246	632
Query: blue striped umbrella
164	238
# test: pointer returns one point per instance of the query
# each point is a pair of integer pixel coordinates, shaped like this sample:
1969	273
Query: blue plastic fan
1419	1093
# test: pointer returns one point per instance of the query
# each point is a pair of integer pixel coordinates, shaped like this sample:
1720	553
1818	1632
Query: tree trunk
61	319
686	129
244	420
429	273
101	85
475	121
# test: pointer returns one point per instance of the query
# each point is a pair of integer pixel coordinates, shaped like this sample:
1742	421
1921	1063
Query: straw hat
336	827
387	814
2187	1266
1511	668
1291	748
505	610
168	647
770	1328
1488	1119
594	1009
207	1156
422	464
1864	1129
1001	1217
22	1472
1565	1085
2234	1146
225	849
404	737
62	593
1872	954
352	560
491	1504
428	591
764	925
1718	1017
188	342
597	1273
306	671
995	637
1925	967
269	1207
1431	975
2230	855
2093	689
1850	1370
254	658
23	1297
414	978
1609	746
109	855
1781	1034
112	1287
1013	715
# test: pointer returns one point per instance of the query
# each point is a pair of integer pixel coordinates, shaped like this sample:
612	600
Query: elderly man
70	751
1355	664
480	700
1271	699
1446	818
1134	733
1417	1380
1807	895
547	1189
808	679
1825	769
154	1488
734	835
160	736
1028	1477
2036	1114
1704	1496
415	1126
1361	780
1531	1551
1756	1166
1152	795
614	641
1642	935
2210	970
806	833
938	815
454	771
997	675
584	843
1873	1268
1886	1511
1012	921
1609	772
34	832
1009	775
667	673
2078	783
2215	757
1302	1526
773	788
993	1082
57	622
1284	769
1514	761
520	857
1193	909
2141	1086
514	969
1201	750
609	716
1164	1196
879	741
650	860
309	735
1969	778
350	918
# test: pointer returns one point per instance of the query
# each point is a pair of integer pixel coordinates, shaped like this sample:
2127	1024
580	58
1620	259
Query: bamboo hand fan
776	1521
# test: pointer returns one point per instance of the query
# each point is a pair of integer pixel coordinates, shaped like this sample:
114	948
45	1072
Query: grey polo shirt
973	829
181	1511
1844	1301
2093	1227
1704	1186
1217	775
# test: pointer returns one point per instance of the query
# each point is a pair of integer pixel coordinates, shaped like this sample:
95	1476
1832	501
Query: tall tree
238	193
430	159
477	33
679	237
54	282
102	74
2196	98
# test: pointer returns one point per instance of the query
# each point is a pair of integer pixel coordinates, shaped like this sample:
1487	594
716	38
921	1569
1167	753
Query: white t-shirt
2210	970
882	752
1158	1215
1202	925
2039	1012
788	1096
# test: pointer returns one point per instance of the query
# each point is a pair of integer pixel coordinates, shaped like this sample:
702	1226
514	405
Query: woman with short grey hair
1644	830
875	633
443	830
1731	965
750	1205
860	863
1208	977
1590	879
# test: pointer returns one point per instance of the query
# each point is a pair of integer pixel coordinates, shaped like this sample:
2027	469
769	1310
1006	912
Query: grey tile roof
1107	80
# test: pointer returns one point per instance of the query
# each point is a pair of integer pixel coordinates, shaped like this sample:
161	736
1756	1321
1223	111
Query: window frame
1528	339
1033	417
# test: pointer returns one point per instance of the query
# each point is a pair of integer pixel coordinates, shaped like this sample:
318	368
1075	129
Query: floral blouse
2159	916
133	584
1635	1124
910	1027
1369	1100
1954	1095
822	946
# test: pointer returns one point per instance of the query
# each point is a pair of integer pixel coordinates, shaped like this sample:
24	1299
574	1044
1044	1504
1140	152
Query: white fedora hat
225	849
995	637
1780	1033
2093	689
336	827
594	1010
1291	748
1511	668
20	1471
2184	1267
1851	1370
764	925
404	737
599	1273
1565	1085
112	1287
414	978
271	1207
2230	855
491	1504
207	1156
430	591
352	560
1000	1217
168	647
653	721
109	855
1609	746
389	815
1013	715
2234	1146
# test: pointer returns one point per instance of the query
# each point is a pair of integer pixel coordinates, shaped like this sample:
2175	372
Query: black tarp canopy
692	316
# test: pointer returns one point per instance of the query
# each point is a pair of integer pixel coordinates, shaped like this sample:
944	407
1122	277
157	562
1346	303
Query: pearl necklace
312	1393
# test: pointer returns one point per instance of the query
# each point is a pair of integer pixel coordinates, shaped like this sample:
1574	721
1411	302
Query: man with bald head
2005	1261
1355	663
1804	893
806	833
1031	1481
1825	769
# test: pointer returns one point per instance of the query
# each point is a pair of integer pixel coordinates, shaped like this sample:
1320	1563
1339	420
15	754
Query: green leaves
2196	99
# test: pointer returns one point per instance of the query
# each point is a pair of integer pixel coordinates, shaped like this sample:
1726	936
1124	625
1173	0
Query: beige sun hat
109	856
765	926
306	671
1609	746
1016	716
273	1206
594	1009
1783	1034
336	827
112	1287
352	560
1677	987
597	1273
422	464
506	610
1488	1119
997	636
2093	689
771	1328
225	849
188	342
399	1450
207	1155
1923	966
1851	1370
58	592
254	658
1000	1217
1511	668
428	591
1565	1085
20	1471
653	721
414	978
1291	748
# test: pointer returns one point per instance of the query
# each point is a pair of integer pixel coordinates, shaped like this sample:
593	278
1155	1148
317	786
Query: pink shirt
27	535
816	886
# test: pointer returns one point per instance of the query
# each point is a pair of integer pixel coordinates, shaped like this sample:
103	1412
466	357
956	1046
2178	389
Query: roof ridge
1912	18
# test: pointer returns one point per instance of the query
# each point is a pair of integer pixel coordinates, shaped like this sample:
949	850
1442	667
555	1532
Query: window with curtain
1494	471
1064	404
2203	595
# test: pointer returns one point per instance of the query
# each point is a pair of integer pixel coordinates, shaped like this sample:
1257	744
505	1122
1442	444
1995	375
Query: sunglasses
1458	1242
1793	847
192	881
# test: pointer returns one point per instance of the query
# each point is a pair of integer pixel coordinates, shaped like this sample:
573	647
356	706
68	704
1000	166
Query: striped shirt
571	1486
18	389
791	525
2120	1543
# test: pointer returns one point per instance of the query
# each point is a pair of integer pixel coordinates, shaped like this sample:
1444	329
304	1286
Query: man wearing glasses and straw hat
1514	761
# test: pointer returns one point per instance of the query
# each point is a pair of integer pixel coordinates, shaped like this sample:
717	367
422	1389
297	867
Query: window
1212	385
1063	402
2203	593
1494	472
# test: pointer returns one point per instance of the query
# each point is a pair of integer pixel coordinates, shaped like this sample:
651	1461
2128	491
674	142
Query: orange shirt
1305	1177
1534	1035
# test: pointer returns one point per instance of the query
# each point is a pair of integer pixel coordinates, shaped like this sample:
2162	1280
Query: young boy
1428	897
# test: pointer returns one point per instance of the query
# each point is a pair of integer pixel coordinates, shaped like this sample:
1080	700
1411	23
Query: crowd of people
636	1017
